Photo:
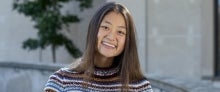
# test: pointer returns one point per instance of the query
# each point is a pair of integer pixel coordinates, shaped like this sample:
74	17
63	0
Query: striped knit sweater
66	80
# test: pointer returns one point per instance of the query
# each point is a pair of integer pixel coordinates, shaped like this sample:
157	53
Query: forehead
114	17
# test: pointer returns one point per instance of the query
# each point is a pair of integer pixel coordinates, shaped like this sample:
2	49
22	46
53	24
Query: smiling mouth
109	45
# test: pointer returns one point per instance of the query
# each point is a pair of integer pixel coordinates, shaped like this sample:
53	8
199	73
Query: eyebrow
108	22
123	27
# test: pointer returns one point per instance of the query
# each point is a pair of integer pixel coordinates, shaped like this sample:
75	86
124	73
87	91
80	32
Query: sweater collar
109	71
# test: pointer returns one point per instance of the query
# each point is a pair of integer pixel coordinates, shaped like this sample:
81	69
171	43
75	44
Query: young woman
110	61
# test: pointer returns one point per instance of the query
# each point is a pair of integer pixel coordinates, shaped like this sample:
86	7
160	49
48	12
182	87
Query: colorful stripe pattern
66	80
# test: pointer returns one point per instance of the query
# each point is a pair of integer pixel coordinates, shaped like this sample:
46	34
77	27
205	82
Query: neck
102	61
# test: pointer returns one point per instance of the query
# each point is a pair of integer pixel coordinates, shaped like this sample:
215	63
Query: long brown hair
128	60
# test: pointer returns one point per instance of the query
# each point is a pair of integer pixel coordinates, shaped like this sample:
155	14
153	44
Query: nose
111	36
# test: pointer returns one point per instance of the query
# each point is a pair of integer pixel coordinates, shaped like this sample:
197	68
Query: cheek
122	43
100	34
99	38
98	41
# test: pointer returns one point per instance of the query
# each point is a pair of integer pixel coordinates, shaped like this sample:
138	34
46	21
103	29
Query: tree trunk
54	53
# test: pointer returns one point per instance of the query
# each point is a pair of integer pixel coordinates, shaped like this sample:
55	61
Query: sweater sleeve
55	82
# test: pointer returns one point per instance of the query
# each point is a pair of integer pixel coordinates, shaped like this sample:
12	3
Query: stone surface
25	77
188	85
20	83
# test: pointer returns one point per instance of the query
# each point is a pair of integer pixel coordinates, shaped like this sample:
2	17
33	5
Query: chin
109	56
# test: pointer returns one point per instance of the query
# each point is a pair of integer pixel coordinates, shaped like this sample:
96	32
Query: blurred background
178	41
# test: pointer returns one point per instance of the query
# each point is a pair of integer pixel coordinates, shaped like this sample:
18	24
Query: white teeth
109	44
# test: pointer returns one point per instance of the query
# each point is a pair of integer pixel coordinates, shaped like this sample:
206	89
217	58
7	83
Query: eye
121	33
106	28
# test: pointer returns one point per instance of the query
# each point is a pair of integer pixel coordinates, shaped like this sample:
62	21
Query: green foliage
49	21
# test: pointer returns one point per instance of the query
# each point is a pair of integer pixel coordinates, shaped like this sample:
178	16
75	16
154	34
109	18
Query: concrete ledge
34	66
160	85
170	84
25	77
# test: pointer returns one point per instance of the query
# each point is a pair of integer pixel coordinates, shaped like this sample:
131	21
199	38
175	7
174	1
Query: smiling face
111	35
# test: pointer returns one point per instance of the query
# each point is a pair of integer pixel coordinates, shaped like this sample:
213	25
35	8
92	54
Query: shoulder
141	85
62	73
57	80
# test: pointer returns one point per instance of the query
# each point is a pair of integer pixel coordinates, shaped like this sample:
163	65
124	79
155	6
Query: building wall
14	28
179	38
207	40
175	37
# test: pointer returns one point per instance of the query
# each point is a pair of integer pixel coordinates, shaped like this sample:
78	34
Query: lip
107	44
